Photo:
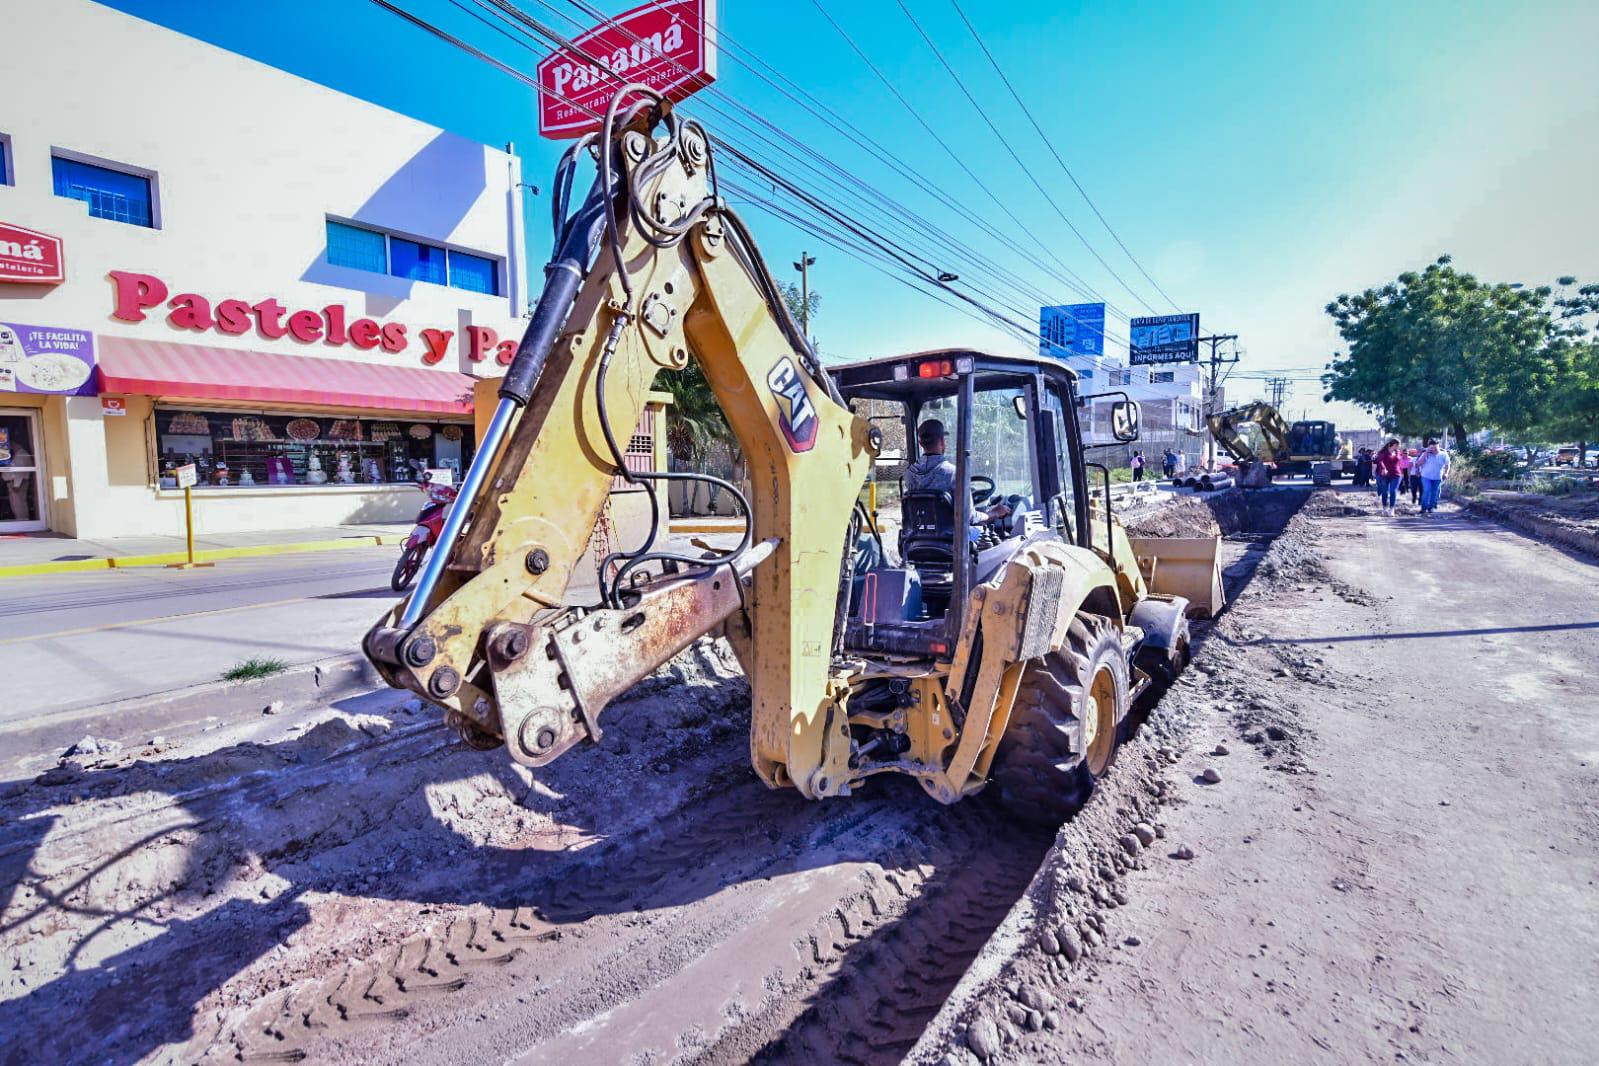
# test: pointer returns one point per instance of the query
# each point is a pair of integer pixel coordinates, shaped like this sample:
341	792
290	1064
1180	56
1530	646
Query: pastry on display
451	433
421	432
345	429
190	424
303	429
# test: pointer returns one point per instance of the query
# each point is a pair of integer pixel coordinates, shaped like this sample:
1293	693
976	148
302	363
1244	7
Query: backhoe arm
652	267
1273	431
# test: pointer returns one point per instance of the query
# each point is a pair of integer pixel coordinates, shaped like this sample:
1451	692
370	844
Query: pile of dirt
1565	521
1016	992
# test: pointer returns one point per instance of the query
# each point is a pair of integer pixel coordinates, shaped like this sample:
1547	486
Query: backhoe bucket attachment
1184	566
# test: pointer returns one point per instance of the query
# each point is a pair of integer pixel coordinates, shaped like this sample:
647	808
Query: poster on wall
46	359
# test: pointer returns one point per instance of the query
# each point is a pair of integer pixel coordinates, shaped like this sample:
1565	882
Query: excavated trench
363	888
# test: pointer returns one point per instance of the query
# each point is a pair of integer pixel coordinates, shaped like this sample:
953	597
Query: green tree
1440	349
792	297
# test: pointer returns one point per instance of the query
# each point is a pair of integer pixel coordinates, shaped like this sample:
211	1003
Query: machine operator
934	472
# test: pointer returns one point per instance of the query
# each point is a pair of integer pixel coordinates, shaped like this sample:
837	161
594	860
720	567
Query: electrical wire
1044	137
1025	169
916	224
839	122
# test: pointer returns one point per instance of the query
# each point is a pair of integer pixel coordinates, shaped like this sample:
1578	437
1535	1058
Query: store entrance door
21	472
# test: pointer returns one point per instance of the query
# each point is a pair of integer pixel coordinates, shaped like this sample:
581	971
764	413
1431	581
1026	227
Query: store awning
158	368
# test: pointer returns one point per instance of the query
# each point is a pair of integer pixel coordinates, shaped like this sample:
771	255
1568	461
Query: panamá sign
26	255
668	45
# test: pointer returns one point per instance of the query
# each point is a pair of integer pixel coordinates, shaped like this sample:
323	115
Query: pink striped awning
157	368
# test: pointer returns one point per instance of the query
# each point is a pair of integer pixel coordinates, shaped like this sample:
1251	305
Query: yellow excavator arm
650	269
1274	432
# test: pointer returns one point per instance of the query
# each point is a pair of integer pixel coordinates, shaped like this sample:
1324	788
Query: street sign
187	476
29	256
1074	329
669	45
1163	339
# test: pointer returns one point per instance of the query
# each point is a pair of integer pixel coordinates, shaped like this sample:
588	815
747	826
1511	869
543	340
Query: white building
290	288
1171	395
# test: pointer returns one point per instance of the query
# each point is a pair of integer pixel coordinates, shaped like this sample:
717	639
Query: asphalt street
71	640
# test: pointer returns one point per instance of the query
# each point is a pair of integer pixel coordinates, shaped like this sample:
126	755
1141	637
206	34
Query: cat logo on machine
795	412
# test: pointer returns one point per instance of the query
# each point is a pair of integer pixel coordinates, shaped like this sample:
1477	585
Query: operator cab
981	453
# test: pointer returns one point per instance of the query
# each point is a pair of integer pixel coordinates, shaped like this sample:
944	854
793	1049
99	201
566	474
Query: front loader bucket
1183	566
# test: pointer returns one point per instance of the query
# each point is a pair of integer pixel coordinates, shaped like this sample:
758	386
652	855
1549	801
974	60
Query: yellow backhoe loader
1005	652
1312	448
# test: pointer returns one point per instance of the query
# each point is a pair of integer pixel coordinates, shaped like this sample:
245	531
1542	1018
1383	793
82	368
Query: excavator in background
1311	448
1010	652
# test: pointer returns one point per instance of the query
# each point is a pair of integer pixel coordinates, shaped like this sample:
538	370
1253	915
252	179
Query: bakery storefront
96	423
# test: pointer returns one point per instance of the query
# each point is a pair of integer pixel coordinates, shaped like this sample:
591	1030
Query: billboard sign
669	45
1074	329
46	359
1163	339
26	255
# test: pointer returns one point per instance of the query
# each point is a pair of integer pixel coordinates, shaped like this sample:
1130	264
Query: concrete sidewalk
44	553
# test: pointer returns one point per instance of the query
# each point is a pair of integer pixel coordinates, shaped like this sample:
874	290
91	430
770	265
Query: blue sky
1257	159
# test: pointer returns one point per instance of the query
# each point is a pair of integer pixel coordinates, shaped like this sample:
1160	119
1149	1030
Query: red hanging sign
30	256
669	45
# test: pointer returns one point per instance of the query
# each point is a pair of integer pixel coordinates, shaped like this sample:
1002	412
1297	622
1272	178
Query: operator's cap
930	432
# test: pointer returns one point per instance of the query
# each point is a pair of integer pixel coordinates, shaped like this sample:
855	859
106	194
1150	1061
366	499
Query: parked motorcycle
428	524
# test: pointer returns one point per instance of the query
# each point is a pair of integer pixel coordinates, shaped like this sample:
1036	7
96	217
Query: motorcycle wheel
405	569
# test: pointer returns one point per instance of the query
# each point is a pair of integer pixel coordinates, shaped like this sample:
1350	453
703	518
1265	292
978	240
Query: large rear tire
1066	724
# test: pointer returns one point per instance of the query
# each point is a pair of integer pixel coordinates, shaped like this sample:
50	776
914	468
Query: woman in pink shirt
1387	466
1405	463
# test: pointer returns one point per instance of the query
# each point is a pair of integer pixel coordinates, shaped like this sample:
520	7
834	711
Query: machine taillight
935	368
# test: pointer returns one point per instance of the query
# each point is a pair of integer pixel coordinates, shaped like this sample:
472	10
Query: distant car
1567	456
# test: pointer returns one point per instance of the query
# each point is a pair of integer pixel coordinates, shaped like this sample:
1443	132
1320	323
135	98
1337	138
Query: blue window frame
351	246
474	273
5	160
109	193
418	262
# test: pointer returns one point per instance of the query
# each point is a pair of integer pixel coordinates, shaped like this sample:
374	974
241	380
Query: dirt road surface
1399	861
1396	864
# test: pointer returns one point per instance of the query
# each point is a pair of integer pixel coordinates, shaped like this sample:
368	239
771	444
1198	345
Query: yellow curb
203	555
707	525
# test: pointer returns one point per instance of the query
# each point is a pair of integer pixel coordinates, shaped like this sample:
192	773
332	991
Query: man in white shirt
1432	466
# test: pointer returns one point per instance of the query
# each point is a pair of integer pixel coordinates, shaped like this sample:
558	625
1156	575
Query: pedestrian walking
1433	466
1412	478
1386	465
1404	472
1168	464
1181	466
1138	466
1363	468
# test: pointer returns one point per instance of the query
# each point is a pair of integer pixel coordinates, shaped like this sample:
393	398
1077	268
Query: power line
990	316
917	225
1074	282
893	205
1005	141
1042	136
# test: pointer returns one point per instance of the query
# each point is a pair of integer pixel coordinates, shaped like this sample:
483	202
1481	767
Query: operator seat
927	543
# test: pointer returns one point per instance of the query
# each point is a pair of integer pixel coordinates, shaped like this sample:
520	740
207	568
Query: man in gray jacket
934	472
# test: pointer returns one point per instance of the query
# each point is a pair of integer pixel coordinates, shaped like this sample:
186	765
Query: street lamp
803	266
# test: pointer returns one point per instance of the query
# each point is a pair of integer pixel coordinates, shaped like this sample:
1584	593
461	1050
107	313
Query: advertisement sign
26	255
669	45
187	475
1075	329
46	359
113	406
1163	339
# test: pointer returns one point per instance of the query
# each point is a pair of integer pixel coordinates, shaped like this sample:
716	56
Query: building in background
290	288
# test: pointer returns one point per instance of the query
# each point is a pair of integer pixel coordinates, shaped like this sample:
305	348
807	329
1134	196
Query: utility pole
1211	398
804	265
1279	389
